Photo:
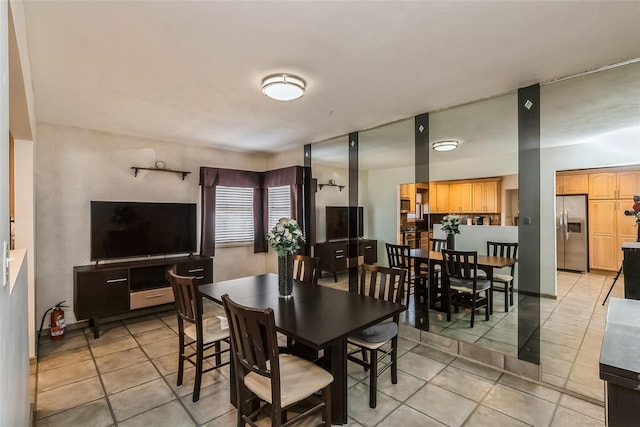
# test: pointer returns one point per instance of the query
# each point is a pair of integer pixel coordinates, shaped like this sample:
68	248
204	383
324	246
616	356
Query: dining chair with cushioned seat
306	269
398	257
504	282
205	334
385	284
263	375
460	274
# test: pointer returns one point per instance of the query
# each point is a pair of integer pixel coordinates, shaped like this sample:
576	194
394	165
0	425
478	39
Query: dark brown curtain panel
210	178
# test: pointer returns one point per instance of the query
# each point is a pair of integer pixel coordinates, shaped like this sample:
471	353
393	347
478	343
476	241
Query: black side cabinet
108	289
620	362
333	255
631	269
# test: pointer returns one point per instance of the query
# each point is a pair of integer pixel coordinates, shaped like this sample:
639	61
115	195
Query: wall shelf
137	168
332	184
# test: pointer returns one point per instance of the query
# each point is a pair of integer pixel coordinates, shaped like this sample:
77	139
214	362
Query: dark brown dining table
436	295
317	316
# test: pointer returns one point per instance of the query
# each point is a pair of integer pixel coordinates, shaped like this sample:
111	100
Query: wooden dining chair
460	274
385	284
306	269
504	282
205	334
398	257
267	380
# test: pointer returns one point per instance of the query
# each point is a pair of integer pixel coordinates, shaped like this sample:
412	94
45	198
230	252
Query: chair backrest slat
306	269
398	255
381	282
438	244
187	299
460	265
503	249
254	343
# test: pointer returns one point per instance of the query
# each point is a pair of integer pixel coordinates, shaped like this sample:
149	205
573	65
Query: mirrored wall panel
477	181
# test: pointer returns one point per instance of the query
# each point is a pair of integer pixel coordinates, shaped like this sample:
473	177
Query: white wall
75	166
614	149
329	196
25	223
382	209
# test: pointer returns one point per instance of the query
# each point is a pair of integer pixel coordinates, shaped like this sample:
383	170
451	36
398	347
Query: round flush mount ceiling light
445	145
283	87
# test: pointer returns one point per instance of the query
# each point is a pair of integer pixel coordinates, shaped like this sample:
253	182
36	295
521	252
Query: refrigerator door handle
566	225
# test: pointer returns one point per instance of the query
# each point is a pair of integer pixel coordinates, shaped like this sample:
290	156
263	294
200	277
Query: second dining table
319	317
435	293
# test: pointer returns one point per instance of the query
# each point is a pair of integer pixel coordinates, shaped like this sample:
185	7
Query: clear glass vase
285	275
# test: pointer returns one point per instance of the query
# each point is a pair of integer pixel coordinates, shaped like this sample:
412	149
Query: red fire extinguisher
57	321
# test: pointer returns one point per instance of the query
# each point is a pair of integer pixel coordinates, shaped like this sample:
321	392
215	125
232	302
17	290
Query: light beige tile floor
127	377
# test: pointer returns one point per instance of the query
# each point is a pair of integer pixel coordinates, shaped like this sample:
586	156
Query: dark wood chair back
462	265
502	249
438	244
187	299
306	269
382	283
254	343
398	255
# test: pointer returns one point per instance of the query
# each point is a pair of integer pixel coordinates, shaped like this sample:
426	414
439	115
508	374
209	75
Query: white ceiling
190	71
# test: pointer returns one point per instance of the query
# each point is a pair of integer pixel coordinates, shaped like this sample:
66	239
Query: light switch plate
5	263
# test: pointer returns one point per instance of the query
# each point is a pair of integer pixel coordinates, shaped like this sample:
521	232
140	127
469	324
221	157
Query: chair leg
373	379
511	294
326	412
218	355
486	311
506	297
394	360
473	310
364	358
180	351
198	379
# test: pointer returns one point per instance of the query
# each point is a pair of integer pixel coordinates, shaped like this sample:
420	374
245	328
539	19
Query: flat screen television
137	229
337	222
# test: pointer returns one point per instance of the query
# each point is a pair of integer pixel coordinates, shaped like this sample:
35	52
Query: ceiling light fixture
445	145
283	87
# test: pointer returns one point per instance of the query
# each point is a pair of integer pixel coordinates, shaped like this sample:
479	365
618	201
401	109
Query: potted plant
451	226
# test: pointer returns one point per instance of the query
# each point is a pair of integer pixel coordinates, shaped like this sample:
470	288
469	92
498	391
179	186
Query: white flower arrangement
450	224
285	236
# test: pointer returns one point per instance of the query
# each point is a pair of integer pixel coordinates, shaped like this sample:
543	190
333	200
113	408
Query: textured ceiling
190	71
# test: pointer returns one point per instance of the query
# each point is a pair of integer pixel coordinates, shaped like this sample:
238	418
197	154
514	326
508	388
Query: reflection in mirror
330	171
386	157
586	122
477	181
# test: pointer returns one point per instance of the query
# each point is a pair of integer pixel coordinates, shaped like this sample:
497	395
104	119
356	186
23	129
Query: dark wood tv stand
334	254
101	290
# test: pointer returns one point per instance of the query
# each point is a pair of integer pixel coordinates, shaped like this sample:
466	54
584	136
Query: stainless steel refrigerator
571	232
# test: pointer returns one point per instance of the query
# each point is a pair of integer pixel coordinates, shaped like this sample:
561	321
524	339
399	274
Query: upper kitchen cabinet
460	197
614	185
438	198
602	185
408	192
486	196
628	185
572	183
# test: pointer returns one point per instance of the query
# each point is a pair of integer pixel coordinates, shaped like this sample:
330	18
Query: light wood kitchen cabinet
602	185
438	197
486	197
602	234
628	185
408	192
460	197
609	227
572	183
